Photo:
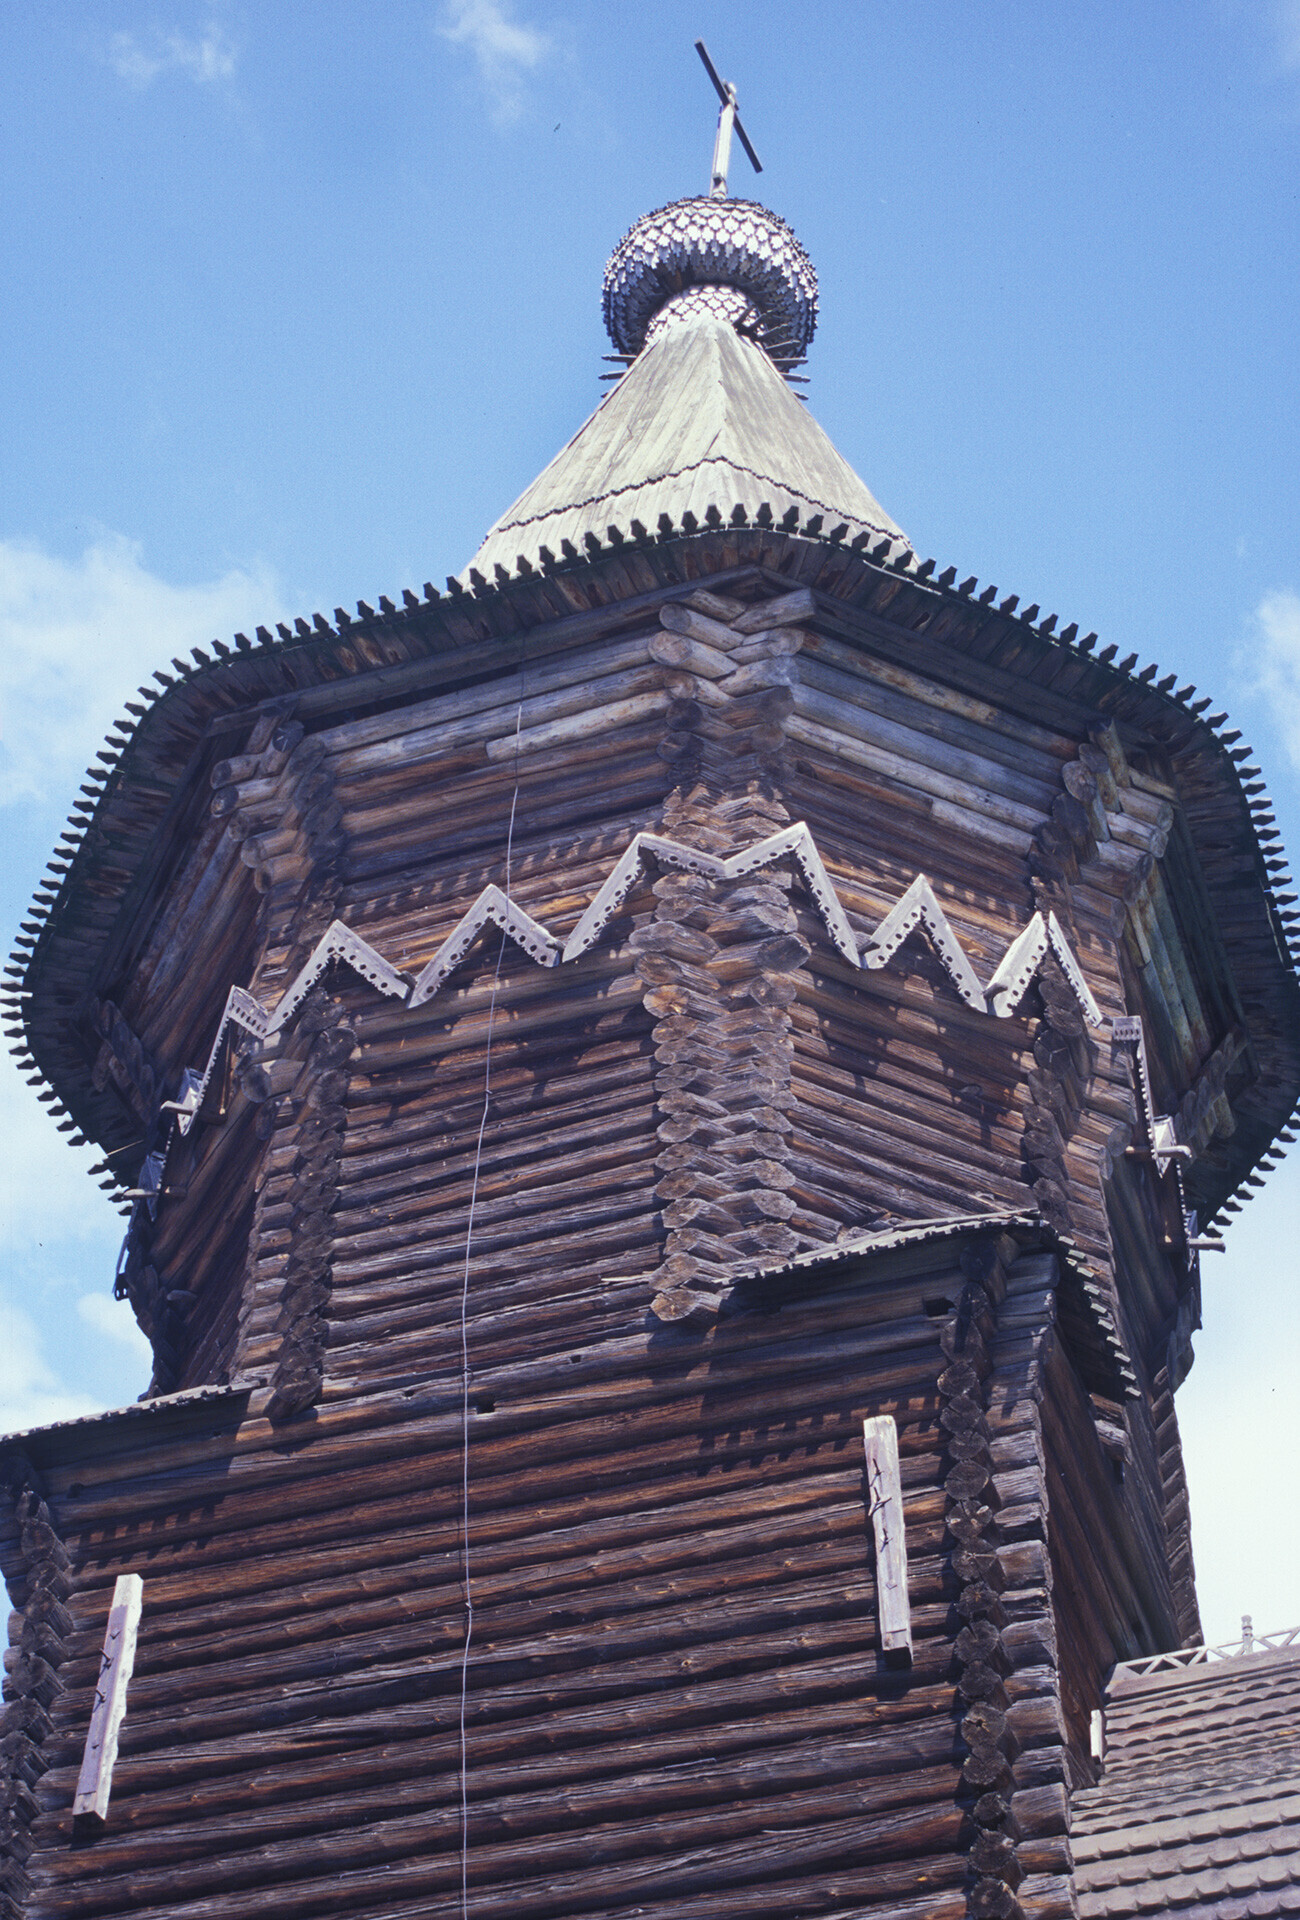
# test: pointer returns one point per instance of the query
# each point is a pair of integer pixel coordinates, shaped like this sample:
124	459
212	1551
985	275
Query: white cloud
61	1235
202	57
76	638
44	1188
113	1320
504	48
31	1394
1237	1411
1275	663
1286	34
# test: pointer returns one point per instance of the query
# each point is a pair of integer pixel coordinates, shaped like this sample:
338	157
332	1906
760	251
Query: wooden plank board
95	1781
885	1492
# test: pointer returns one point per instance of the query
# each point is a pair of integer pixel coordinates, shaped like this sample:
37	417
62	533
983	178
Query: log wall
675	1696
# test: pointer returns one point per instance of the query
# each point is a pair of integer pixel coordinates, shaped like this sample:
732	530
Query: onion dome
733	259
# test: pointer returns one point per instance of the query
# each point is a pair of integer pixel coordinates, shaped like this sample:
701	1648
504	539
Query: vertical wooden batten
885	1494
95	1781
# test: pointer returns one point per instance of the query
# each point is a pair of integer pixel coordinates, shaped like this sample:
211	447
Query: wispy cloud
1285	23
1275	663
31	1392
64	1350
114	1321
204	57
505	49
77	635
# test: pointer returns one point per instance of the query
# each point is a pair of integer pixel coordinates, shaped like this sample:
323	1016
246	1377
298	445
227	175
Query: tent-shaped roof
701	418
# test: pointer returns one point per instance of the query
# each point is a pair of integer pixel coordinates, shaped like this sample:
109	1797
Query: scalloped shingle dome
706	242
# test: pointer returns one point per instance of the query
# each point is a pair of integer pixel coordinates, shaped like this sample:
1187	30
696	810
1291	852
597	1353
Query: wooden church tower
665	1096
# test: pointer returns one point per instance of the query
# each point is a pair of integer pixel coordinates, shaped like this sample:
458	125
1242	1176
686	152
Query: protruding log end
682	1306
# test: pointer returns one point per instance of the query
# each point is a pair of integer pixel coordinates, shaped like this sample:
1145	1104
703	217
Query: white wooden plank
885	1494
95	1781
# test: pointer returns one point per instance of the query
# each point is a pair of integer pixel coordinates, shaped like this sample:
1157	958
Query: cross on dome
728	118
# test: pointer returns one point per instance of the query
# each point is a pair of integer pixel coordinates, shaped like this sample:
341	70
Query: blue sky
297	299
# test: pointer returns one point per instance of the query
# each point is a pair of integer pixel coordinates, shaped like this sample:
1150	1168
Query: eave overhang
1083	1312
150	787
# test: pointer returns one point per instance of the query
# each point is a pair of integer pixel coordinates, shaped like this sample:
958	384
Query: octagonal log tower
573	1049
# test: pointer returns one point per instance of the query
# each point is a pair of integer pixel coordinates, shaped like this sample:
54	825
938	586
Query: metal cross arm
727	119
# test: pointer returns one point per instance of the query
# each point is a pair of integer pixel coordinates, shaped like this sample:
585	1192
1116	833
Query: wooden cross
728	118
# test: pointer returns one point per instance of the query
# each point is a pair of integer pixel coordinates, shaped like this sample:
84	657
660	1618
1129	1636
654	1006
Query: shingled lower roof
1198	1813
702	418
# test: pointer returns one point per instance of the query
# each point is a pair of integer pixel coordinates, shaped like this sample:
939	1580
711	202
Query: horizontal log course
408	1595
513	1700
693	655
416	1551
608	717
536	1002
940	694
615	1135
928	762
493	692
605	1740
735	1868
774	643
577	1794
1047	1891
551	1655
961	743
825	784
616	1076
811	726
508	1471
482	715
679	618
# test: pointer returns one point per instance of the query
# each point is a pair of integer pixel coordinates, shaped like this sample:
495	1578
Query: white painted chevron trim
245	1010
492	906
1022	960
1073	972
338	942
918	909
795	842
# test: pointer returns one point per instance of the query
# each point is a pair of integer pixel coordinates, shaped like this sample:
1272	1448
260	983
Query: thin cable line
464	1337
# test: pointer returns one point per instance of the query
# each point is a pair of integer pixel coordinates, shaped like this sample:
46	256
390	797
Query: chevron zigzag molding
245	1011
919	908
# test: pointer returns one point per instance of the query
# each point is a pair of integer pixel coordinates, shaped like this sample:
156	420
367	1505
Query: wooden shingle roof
1198	1812
702	418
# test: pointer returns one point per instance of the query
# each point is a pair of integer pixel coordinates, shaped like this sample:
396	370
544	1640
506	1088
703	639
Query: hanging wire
464	1334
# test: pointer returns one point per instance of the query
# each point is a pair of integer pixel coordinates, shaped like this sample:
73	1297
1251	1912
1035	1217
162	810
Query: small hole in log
485	1406
937	1307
